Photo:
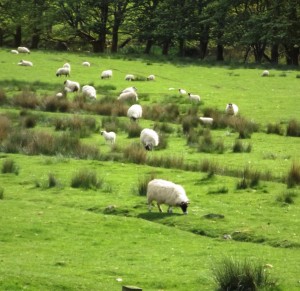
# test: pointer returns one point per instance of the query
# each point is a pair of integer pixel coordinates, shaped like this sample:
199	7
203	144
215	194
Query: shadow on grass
152	216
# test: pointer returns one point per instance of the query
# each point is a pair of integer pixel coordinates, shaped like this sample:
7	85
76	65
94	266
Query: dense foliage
220	29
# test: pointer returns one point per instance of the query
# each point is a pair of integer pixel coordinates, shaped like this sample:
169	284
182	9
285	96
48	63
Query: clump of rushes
9	166
293	177
287	197
275	128
5	127
135	153
86	179
293	128
143	183
134	130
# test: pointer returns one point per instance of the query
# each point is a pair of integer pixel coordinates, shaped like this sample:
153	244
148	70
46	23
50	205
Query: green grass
57	237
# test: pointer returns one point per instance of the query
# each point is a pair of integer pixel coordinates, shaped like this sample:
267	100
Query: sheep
67	65
59	95
128	96
149	138
135	112
182	91
23	49
71	86
63	71
89	91
86	64
166	192
194	98
231	109
129	77
265	73
15	52
109	136
129	89
25	63
206	120
106	74
151	78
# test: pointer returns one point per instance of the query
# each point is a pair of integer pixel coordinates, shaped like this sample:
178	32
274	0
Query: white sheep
231	109
86	64
59	95
109	136
126	96
67	65
89	91
149	138
129	89
106	74
25	63
129	77
135	112
63	71
265	73
151	78
182	91
166	192
71	86
23	49
206	120
15	52
194	98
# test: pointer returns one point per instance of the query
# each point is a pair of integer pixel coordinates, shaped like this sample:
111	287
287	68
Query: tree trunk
248	49
98	46
115	39
181	47
274	54
292	55
203	49
148	47
220	52
18	36
1	37
165	47
35	39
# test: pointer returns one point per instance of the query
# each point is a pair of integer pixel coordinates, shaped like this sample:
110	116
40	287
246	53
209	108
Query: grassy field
57	237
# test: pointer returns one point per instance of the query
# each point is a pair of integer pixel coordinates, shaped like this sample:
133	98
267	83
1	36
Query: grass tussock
231	274
293	176
250	179
26	99
86	179
240	147
5	127
275	128
287	197
143	184
1	193
293	128
134	129
135	153
167	162
52	181
9	166
28	121
162	113
54	104
3	97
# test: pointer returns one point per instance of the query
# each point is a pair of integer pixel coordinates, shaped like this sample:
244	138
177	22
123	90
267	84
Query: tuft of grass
232	274
28	121
250	178
293	128
5	127
143	184
220	190
287	197
86	179
9	166
26	99
1	193
3	97
135	153
275	128
134	130
293	177
52	181
239	147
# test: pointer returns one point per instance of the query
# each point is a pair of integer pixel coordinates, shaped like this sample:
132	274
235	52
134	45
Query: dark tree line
267	30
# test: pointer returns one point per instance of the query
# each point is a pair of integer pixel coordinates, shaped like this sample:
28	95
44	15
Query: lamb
182	91
109	136
129	89
106	74
14	52
128	96
194	98
63	71
206	120
89	91
149	138
151	78
86	64
231	109
265	73
71	86
25	63
23	49
129	77
135	112
166	192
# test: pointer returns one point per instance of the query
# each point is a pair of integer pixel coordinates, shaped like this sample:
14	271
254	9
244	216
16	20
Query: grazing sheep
128	96
149	138
64	71
135	112
129	77
71	86
166	192
89	91
194	98
129	89
86	64
67	65
23	49
231	109
14	52
182	91
59	95
109	136
151	78
265	73
25	63
206	120
106	74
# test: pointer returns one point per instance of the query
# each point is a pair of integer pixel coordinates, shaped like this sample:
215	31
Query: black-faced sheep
106	74
25	63
265	73
149	138
231	109
89	91
71	86
194	98
166	192
135	112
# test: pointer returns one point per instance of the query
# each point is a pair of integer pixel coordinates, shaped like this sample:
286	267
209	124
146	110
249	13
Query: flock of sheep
159	190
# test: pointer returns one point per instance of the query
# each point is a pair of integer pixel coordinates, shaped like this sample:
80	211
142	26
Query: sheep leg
159	208
170	209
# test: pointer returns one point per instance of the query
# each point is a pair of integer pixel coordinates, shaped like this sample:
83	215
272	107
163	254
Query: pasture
55	236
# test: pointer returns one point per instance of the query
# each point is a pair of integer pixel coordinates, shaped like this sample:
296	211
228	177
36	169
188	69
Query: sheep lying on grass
15	52
166	192
89	91
25	63
231	109
265	73
151	78
135	112
86	64
106	74
149	138
71	86
109	136
23	49
206	120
